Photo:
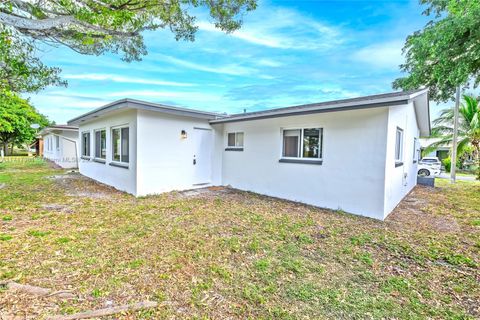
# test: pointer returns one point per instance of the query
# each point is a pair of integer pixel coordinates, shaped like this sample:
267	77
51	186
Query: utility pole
453	164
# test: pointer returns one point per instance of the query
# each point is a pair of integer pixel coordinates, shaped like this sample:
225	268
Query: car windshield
430	160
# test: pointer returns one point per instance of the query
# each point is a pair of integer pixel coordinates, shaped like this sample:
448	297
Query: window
416	150
100	144
120	139
399	146
57	142
86	144
235	140
302	143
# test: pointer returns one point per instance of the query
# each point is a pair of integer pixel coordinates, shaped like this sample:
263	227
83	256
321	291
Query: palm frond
462	144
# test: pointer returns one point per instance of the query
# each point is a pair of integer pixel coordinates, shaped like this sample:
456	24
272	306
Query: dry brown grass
221	253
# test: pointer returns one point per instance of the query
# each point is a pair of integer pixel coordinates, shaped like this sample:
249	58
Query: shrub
447	162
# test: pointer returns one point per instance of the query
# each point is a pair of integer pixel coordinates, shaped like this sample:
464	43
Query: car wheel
423	172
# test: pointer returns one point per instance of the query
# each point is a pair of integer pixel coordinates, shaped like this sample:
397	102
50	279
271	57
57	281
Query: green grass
236	255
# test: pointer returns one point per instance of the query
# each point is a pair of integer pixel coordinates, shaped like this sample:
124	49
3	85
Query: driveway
445	175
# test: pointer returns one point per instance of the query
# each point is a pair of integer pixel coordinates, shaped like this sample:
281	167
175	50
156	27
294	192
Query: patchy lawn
222	253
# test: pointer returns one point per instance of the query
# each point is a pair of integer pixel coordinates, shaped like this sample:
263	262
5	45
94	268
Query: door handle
194	161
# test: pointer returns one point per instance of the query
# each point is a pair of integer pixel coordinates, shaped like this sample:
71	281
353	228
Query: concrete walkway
445	175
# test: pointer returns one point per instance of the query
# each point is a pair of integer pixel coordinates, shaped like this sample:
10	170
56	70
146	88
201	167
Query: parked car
429	166
430	160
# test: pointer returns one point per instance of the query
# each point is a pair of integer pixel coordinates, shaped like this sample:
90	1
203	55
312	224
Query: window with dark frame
120	144
100	144
235	140
86	144
399	145
302	143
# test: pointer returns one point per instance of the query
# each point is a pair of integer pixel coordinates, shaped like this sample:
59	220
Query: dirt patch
208	192
76	185
413	211
57	207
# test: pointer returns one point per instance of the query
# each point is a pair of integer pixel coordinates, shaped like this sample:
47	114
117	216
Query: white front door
202	156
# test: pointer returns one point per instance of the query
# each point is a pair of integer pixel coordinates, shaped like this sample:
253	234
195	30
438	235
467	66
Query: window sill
317	162
233	149
398	164
119	165
85	158
99	160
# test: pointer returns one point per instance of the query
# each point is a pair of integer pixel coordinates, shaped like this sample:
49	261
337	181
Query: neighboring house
59	144
358	155
441	152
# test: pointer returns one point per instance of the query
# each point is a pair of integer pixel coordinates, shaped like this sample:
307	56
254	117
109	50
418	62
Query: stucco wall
63	155
165	158
351	177
400	180
121	178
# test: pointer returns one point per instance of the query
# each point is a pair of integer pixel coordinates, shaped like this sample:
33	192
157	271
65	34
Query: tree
16	118
468	128
446	53
20	70
98	26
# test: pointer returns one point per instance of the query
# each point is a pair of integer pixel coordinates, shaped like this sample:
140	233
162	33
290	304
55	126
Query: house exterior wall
121	178
351	177
165	158
64	154
400	180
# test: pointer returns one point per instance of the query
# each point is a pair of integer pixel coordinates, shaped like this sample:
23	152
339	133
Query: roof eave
138	104
323	109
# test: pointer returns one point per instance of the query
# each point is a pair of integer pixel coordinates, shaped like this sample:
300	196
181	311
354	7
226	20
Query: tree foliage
20	69
16	118
468	128
446	53
98	26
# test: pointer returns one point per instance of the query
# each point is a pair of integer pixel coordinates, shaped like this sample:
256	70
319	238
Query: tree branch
45	24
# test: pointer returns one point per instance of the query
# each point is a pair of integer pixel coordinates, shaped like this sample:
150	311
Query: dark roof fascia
306	112
138	104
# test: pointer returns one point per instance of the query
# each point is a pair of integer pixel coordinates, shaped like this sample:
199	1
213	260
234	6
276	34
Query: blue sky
287	53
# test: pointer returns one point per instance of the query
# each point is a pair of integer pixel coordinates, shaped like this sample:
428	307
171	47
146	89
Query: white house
358	155
60	143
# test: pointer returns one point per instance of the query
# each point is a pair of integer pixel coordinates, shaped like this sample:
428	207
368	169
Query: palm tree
468	128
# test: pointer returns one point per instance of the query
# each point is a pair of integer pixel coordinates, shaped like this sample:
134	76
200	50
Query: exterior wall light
183	134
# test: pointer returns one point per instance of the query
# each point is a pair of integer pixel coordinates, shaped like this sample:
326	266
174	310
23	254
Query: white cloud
282	28
387	55
180	95
269	63
123	79
229	69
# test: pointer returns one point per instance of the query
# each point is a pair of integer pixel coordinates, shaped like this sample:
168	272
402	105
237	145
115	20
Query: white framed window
416	150
57	143
120	144
235	140
86	144
101	144
302	143
399	146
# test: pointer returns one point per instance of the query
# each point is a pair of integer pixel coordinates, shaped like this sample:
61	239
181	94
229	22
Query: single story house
358	155
59	144
441	152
